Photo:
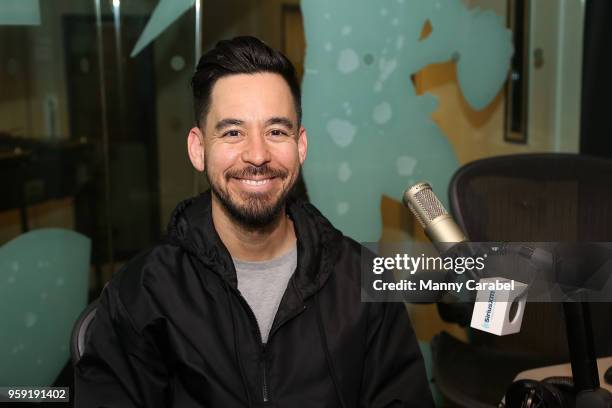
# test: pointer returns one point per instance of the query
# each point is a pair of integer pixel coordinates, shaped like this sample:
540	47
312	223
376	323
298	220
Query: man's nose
256	151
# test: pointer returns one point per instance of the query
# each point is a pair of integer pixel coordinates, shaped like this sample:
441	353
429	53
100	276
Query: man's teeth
255	182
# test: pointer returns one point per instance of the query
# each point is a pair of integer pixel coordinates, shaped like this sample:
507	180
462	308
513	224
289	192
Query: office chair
80	331
530	197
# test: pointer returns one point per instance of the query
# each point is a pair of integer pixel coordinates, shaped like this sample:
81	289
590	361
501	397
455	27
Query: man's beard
258	210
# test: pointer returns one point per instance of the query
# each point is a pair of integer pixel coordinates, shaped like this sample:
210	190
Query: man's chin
256	216
252	209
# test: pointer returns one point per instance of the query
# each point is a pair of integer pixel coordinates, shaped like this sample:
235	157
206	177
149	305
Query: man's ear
302	144
195	148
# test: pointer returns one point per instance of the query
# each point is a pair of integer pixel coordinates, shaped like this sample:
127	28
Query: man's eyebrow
223	123
280	120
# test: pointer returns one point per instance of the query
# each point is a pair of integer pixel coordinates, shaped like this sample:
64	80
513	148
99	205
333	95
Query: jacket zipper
264	391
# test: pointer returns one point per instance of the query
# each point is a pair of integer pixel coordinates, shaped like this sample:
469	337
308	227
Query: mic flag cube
493	310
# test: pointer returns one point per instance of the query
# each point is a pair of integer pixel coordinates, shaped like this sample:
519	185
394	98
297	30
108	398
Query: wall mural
166	12
369	132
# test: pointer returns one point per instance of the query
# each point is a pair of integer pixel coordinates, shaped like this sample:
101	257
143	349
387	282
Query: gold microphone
439	226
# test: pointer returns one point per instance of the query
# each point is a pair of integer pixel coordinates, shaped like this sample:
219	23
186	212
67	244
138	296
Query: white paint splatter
11	279
344	171
59	282
347	108
342	207
386	68
348	61
346	30
384	11
399	42
44	296
405	165
395	21
382	113
328	46
341	131
30	319
177	63
15	266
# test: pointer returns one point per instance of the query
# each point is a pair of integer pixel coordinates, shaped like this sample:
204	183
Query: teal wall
43	285
369	133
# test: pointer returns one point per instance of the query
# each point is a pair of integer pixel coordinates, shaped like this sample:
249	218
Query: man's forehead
260	95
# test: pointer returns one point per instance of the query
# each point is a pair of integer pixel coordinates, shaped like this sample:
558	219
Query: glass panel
91	141
48	173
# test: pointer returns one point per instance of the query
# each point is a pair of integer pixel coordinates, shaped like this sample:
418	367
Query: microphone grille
423	203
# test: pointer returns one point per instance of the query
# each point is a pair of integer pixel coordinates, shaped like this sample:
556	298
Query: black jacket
172	330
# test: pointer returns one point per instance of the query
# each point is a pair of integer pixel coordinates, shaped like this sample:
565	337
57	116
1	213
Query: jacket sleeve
120	368
394	371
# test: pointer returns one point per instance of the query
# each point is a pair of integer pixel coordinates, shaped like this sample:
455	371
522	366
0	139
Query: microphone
440	227
493	311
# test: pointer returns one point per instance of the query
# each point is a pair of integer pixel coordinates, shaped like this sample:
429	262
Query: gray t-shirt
263	284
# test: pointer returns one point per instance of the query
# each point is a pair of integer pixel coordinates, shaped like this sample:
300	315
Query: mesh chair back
538	197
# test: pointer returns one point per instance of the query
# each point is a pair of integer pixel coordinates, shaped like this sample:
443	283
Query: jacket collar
318	243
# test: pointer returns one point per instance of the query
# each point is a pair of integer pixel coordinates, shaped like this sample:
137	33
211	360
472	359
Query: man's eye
232	133
278	132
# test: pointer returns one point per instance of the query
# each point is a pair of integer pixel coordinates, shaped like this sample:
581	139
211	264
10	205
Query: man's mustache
256	171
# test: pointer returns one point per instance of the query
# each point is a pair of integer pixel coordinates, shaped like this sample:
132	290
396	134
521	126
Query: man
254	299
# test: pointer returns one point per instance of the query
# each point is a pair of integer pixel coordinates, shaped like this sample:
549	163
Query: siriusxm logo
490	306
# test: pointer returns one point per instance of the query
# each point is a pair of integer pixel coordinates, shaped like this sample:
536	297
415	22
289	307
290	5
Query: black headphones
552	392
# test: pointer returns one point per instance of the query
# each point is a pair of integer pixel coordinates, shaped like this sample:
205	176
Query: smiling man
254	298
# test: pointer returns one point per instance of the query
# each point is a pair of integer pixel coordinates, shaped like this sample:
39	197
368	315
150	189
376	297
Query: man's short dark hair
240	55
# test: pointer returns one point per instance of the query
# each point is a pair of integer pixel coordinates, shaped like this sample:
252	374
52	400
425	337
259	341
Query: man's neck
253	244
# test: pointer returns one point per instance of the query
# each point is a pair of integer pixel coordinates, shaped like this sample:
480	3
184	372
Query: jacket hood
318	242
